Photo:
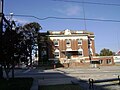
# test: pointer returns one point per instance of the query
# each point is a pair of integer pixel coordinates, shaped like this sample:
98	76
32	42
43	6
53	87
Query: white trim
79	31
68	49
55	41
57	52
80	41
80	49
68	45
71	37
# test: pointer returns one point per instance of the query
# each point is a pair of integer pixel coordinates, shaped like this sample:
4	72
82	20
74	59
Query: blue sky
106	33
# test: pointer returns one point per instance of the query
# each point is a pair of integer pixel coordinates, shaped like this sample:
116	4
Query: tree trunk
7	70
13	67
1	71
30	56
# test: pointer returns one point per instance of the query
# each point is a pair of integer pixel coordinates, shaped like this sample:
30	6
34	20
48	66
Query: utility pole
1	30
1	17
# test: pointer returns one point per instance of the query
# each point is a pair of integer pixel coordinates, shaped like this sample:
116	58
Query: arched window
56	42
68	43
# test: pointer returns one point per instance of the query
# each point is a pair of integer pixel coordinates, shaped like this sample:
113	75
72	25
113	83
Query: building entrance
69	55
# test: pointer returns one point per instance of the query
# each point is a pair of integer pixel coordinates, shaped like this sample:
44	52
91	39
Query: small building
116	59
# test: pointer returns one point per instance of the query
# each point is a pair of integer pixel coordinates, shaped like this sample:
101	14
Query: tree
10	42
106	52
31	31
96	54
17	45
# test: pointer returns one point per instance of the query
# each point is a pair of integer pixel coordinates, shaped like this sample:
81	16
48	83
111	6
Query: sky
106	33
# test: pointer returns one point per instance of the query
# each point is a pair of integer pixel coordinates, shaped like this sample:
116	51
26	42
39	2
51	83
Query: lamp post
11	15
12	22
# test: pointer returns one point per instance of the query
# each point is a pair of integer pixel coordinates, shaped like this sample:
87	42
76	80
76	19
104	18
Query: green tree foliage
33	27
10	42
106	52
17	45
96	54
31	31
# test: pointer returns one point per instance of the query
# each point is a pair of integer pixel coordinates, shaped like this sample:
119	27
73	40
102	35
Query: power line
31	16
87	2
64	18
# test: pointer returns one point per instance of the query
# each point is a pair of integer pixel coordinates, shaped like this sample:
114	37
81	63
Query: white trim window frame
57	54
68	43
56	42
79	42
80	52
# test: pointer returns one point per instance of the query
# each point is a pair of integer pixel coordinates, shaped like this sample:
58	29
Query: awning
95	61
69	50
73	52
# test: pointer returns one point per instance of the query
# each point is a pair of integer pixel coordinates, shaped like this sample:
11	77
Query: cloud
70	10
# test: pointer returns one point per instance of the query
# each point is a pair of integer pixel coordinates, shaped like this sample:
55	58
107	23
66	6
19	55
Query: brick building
70	47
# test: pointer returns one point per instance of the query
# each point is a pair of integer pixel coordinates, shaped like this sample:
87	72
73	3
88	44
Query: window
108	61
79	42
68	43
80	52
101	61
56	42
69	55
56	53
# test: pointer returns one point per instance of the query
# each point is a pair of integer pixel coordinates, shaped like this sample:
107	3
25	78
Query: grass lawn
60	87
16	84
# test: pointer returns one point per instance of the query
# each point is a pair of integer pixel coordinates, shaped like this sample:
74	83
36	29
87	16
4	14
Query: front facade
70	47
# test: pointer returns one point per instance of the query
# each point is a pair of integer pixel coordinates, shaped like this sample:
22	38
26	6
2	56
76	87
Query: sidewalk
35	84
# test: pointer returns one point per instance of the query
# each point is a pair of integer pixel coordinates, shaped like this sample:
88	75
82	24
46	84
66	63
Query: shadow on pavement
61	77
